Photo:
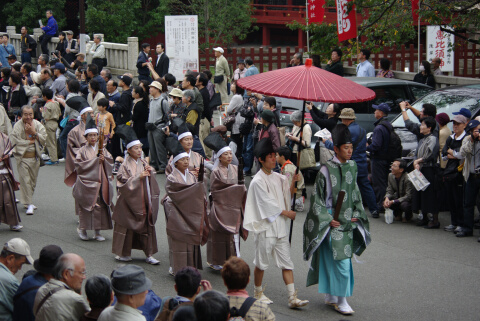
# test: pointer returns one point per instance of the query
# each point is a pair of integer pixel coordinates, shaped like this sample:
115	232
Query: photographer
471	172
69	72
248	112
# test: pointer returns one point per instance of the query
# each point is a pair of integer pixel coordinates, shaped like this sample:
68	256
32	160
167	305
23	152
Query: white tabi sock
236	239
258	288
291	289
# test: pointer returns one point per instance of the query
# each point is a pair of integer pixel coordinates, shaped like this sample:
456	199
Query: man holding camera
470	150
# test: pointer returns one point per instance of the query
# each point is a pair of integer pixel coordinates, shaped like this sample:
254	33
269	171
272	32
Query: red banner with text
415	8
316	11
346	21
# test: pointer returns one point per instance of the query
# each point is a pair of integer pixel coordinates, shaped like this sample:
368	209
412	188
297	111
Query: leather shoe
422	223
375	214
464	234
432	226
478	239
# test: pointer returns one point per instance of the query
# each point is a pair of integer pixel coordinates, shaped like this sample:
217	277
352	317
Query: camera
477	170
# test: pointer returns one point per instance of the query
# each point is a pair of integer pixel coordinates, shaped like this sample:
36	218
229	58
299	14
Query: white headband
180	156
84	110
91	130
185	134
133	143
223	150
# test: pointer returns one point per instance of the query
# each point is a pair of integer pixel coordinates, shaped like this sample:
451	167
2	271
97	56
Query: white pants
278	248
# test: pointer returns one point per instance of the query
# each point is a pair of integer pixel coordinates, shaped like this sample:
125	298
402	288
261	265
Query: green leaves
27	12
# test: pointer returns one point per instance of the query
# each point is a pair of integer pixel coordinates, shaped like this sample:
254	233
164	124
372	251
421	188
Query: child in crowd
51	113
105	117
289	170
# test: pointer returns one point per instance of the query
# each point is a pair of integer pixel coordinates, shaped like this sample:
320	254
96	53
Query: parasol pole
300	147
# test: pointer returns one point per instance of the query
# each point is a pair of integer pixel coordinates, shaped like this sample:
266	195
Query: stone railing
121	58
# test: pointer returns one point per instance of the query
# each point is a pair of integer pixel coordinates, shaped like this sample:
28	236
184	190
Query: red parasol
307	83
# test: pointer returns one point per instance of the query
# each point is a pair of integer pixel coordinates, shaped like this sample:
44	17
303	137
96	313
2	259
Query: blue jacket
142	58
52	27
6	51
380	140
359	155
23	303
252	70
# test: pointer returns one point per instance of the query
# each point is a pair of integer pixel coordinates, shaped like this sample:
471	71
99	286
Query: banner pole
308	33
418	38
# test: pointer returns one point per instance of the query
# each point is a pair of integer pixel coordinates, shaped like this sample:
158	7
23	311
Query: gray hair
108	73
87	38
25	107
64	262
98	36
189	94
296	116
98	289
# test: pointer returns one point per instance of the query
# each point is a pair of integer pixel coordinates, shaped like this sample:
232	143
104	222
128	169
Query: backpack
239	314
394	145
168	308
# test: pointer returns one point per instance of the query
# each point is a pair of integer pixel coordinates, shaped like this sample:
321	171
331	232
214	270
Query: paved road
407	273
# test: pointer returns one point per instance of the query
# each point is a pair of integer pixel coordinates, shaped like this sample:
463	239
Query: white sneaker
62	160
45	157
123	258
151	260
170	271
99	238
82	234
30	209
15	227
26	206
17	201
260	296
294	302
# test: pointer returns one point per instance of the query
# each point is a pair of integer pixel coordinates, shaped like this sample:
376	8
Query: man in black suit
161	65
142	63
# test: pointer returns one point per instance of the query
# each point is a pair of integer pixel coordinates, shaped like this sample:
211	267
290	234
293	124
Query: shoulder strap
362	134
46	297
246	306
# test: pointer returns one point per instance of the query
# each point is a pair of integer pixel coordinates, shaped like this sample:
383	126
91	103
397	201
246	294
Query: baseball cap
471	125
460	119
59	66
465	112
127	80
219	49
19	246
383	107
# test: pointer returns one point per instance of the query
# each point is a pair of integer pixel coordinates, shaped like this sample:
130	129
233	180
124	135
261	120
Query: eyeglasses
82	272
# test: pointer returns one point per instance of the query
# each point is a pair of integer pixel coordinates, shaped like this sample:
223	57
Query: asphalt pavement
407	272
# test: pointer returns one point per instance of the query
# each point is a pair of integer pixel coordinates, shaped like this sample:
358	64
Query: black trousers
402	207
380	169
99	63
454	194
44	43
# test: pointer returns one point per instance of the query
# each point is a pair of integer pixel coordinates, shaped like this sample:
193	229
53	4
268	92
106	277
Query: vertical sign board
181	44
440	44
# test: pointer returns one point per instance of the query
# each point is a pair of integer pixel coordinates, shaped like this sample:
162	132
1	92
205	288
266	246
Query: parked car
390	91
447	100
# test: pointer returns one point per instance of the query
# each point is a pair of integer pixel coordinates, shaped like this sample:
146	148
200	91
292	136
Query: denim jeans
366	189
247	152
26	57
64	136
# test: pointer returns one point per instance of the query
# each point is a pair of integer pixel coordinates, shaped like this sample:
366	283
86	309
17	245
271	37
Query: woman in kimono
93	189
331	237
8	209
227	204
185	211
136	210
185	137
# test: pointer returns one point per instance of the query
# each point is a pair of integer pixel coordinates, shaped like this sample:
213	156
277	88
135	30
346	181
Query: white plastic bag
388	216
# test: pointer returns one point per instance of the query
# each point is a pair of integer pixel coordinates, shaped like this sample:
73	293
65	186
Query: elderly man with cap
15	253
59	86
29	135
71	47
25	296
359	155
130	285
267	214
177	107
379	153
240	71
60	298
122	111
222	73
470	150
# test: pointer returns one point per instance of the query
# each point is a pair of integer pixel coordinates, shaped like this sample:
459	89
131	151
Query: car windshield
445	101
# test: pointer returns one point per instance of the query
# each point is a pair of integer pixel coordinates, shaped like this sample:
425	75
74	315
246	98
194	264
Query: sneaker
51	163
82	234
26	206
260	296
30	209
116	166
294	302
458	229
123	258
15	227
170	271
45	157
450	228
215	267
62	160
99	238
151	260
17	201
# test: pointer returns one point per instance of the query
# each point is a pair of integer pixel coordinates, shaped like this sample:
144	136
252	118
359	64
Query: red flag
316	11
346	22
415	8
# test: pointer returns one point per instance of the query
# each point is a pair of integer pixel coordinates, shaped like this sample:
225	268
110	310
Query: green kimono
351	237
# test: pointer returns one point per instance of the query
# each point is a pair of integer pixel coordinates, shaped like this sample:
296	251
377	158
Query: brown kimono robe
227	204
75	141
8	209
195	161
136	210
93	190
186	216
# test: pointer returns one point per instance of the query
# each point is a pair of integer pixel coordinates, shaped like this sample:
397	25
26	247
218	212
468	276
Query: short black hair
102	102
338	51
16	77
48	93
28	67
161	45
170	79
203	79
93	69
285	152
271	101
385	63
430	122
187	281
62	34
98	289
403	163
114	83
17	67
73	86
95	85
212	305
248	61
239	90
366	52
191	79
208	73
145	45
6	35
6	72
429	110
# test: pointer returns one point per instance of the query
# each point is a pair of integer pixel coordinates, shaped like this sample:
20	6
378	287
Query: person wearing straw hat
332	234
136	209
186	222
15	253
226	213
222	74
93	189
25	295
131	286
157	120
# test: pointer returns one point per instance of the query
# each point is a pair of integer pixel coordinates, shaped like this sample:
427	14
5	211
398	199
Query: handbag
307	158
245	128
215	101
150	126
218	79
64	122
229	121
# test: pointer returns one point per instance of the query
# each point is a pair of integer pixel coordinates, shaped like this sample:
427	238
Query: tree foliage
388	23
219	21
27	12
120	19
